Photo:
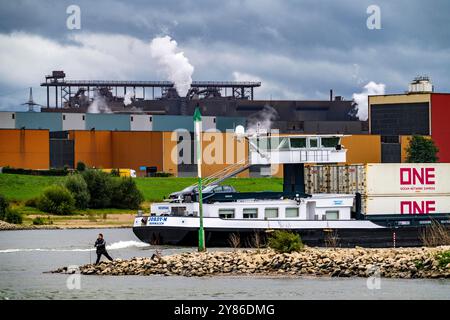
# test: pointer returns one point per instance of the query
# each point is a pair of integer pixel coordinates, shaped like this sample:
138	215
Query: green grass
20	188
17	187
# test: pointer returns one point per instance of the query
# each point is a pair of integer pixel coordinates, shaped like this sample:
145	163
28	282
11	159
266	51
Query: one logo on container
417	207
413	179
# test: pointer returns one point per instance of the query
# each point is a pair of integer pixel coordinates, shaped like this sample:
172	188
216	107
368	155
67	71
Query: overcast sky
298	49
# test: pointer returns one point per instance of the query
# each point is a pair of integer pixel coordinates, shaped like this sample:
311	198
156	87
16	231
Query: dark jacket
100	244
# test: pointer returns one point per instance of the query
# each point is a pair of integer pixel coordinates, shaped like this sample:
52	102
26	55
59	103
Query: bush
443	258
115	172
81	166
38	221
51	172
33	202
4	204
79	189
57	200
13	216
125	194
163	174
99	185
285	241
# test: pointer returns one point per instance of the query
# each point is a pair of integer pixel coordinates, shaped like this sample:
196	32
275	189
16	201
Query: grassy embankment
20	188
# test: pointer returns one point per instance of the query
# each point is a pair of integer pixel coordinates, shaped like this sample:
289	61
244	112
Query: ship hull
221	237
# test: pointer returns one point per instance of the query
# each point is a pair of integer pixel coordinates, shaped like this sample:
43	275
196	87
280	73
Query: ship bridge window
332	215
272	143
271	213
330	142
298	142
226	213
313	142
250	213
291	212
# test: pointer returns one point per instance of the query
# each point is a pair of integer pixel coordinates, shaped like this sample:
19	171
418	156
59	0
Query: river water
26	255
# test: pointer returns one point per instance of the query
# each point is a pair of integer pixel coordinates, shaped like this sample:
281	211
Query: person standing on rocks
100	244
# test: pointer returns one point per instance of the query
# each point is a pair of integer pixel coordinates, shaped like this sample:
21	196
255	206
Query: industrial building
420	111
229	102
148	134
148	152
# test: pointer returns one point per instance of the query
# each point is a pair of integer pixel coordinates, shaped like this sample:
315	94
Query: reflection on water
25	255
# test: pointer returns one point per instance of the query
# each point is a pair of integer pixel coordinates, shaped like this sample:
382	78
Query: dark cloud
303	47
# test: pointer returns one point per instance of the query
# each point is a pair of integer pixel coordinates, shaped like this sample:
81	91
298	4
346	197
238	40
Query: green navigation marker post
198	132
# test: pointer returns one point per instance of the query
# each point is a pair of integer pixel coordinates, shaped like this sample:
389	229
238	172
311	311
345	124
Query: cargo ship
373	205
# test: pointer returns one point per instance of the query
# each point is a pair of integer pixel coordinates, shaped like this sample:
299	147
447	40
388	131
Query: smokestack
331	94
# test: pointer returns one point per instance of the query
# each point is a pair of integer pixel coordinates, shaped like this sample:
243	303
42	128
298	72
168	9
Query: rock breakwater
357	262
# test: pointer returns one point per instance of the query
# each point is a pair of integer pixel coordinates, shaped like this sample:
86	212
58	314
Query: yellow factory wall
362	148
135	149
169	156
24	148
93	148
119	149
220	150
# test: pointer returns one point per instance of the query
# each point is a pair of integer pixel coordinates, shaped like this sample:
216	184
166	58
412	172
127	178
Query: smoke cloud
99	104
261	122
127	99
370	89
173	63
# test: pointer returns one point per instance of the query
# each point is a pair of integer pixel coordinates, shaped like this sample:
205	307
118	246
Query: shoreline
403	263
4	226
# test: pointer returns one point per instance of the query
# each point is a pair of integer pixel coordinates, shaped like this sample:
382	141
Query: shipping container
384	179
407	205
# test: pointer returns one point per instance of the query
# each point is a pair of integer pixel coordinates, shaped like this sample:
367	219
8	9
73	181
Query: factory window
151	119
64	117
226	213
271	213
250	213
131	118
298	142
332	214
84	117
214	120
291	212
13	116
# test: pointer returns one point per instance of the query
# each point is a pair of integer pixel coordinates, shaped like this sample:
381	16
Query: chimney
331	94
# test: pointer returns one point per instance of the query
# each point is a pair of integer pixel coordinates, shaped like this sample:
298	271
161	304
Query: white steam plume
261	122
99	104
370	89
127	99
174	64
